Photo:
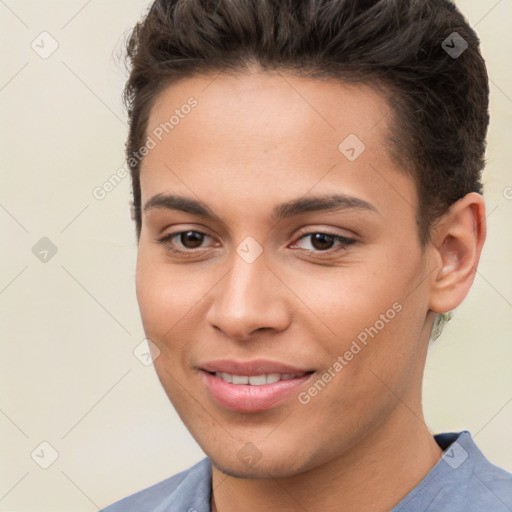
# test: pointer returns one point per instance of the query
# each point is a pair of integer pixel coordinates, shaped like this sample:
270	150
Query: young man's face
253	293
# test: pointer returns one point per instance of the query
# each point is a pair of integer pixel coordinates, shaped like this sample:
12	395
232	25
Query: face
280	274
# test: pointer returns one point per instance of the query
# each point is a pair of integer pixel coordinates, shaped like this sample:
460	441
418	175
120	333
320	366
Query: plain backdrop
69	377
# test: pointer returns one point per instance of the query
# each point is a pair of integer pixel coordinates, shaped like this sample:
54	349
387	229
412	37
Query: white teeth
256	380
227	377
240	379
273	377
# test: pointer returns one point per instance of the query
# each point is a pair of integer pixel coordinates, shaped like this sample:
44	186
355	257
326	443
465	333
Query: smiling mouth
253	393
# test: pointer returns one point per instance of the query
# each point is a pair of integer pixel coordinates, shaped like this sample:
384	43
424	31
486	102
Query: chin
237	471
275	466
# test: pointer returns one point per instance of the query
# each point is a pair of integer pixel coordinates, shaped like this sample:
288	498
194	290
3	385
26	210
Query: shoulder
464	480
489	487
190	488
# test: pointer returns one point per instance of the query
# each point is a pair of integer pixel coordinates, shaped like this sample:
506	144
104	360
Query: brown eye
191	239
323	242
185	241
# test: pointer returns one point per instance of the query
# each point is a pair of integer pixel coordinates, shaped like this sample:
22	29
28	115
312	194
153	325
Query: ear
457	241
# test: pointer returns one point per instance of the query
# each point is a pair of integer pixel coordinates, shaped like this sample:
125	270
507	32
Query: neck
373	476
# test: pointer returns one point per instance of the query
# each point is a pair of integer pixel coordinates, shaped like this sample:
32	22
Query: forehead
270	106
271	135
278	91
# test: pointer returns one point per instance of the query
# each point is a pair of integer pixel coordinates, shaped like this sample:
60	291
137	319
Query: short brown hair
439	100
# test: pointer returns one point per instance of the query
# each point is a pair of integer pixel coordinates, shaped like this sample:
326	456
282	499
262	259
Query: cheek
348	300
365	313
165	296
377	359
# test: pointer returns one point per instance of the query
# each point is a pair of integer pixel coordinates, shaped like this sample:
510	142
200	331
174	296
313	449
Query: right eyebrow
184	204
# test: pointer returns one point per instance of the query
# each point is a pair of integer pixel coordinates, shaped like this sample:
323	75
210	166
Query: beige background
68	375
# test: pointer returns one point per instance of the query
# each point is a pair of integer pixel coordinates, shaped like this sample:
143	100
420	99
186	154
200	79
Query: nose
250	297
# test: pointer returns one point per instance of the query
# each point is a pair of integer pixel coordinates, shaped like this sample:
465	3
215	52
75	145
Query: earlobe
458	239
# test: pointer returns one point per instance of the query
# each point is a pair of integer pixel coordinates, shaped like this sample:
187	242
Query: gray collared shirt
463	480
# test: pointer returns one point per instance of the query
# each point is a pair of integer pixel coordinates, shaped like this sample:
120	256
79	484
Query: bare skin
253	142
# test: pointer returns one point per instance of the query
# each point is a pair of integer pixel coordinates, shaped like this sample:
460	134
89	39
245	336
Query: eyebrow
296	207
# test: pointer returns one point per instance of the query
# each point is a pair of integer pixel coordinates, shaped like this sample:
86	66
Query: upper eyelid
308	231
297	233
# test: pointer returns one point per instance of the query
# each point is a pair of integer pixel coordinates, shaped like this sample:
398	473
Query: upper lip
253	367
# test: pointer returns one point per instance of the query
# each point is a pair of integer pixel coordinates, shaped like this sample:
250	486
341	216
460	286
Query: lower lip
247	398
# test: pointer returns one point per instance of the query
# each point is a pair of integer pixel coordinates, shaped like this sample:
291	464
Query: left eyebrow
301	206
335	202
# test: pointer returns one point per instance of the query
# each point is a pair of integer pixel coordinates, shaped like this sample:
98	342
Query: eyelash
344	242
